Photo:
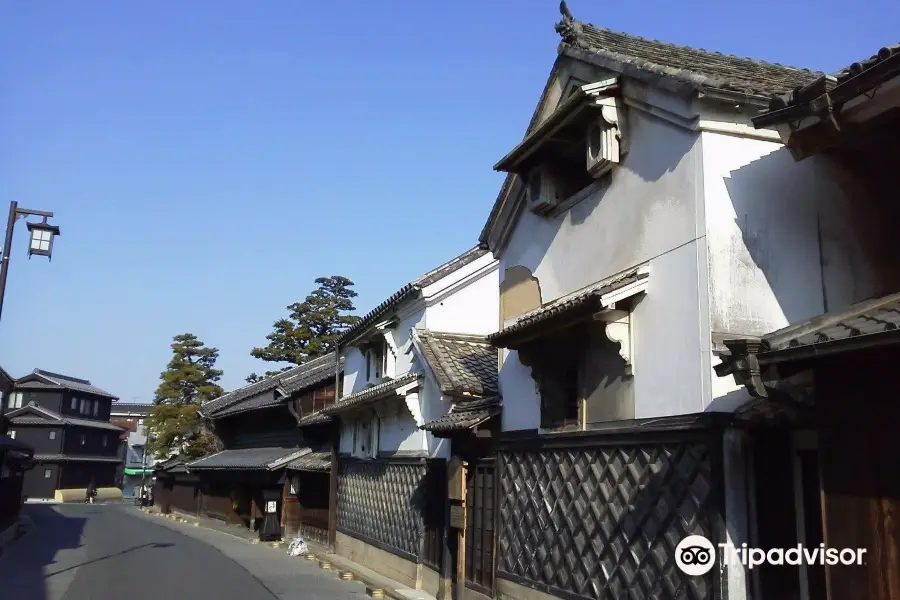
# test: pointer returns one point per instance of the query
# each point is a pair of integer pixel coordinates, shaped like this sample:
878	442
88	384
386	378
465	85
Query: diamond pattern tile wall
604	522
383	501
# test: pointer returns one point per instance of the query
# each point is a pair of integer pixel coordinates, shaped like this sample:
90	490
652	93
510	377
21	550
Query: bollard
325	565
312	556
375	592
347	575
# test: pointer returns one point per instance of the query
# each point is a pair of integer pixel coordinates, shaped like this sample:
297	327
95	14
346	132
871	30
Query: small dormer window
551	159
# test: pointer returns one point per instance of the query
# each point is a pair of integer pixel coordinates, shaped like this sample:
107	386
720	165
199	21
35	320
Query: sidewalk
376	584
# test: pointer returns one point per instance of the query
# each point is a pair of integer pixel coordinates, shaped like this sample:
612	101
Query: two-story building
137	468
644	219
14	458
274	459
392	480
824	403
66	420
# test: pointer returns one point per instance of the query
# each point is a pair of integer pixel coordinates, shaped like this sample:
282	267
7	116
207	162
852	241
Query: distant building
66	421
130	416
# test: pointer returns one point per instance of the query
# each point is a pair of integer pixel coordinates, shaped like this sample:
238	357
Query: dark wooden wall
859	444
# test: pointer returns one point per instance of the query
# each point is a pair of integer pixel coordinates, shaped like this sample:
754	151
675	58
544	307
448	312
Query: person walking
91	492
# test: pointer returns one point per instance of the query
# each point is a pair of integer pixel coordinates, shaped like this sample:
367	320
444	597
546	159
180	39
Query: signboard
456	479
271	506
457	516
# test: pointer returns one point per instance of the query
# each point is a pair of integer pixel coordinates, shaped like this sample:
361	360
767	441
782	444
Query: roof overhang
819	115
398	387
565	311
752	365
571	116
464	417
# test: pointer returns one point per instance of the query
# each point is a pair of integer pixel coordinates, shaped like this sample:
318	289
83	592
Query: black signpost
271	526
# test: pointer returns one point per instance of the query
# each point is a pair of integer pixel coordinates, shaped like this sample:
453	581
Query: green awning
147	471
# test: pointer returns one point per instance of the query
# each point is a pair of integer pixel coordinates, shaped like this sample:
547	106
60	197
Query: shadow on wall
815	230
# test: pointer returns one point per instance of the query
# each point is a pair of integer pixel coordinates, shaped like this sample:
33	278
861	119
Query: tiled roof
75	458
174	464
131	408
33	414
316	418
373	393
700	68
411	289
265	400
465	365
859	78
465	415
262	394
567	304
870	317
243	459
314	461
46	379
319	370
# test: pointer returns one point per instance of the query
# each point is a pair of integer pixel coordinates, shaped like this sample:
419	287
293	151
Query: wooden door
480	527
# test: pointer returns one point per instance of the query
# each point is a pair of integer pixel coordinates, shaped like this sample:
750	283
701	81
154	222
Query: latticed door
480	527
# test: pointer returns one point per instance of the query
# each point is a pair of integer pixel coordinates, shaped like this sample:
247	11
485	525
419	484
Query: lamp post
42	235
41	243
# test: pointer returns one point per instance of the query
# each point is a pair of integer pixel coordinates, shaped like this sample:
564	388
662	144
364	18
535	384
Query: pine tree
312	326
189	380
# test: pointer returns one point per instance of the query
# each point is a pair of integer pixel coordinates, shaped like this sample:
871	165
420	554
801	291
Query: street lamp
42	235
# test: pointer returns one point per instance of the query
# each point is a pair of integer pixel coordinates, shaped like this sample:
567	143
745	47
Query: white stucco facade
738	238
463	301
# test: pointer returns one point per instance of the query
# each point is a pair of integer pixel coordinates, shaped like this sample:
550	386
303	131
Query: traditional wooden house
15	457
66	421
821	428
643	221
269	466
391	491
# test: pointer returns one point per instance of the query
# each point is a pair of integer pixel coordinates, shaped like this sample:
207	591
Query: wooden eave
570	117
836	96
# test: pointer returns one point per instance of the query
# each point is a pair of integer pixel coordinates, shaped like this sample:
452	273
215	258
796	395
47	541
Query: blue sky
206	161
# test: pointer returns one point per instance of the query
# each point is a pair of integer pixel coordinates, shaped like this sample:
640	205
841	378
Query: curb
327	562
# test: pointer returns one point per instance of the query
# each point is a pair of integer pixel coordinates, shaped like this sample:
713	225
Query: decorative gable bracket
618	330
607	143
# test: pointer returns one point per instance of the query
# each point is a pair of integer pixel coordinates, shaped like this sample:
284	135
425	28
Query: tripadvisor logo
695	555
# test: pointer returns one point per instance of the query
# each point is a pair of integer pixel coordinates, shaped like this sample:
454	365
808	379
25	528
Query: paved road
84	552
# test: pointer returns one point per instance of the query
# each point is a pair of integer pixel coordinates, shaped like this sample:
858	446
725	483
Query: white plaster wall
780	235
354	371
668	348
471	306
650	213
433	406
650	208
400	337
399	431
521	399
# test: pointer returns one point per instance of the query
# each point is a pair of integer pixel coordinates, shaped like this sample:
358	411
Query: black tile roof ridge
695	49
53	375
475	338
236	395
414	286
